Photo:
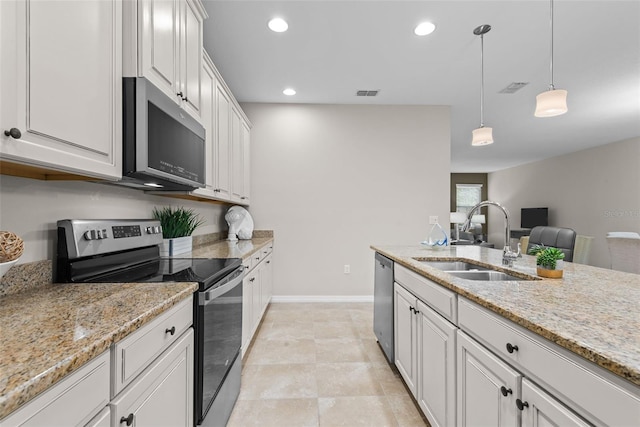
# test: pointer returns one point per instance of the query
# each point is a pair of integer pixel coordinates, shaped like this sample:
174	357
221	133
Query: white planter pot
177	246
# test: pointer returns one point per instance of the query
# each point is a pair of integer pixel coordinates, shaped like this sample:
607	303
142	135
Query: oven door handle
207	297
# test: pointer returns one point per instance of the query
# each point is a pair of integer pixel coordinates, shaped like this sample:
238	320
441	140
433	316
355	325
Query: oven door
218	328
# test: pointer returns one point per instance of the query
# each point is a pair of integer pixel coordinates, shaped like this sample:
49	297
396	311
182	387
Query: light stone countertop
593	312
50	330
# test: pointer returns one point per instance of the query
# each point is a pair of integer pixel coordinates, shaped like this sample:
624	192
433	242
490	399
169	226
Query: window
467	196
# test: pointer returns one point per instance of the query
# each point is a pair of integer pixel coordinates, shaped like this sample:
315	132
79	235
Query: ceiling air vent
514	87
367	92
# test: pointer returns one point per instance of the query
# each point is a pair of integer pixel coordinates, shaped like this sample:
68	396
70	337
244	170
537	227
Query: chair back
558	237
625	253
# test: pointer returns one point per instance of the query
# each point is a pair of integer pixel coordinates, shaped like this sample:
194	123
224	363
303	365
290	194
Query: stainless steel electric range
119	251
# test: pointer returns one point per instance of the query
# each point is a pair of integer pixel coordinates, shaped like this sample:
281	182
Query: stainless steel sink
469	271
487	275
454	266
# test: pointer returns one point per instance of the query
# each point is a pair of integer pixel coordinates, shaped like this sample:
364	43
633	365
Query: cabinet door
540	409
208	86
222	143
237	173
436	367
267	281
62	85
487	387
405	336
158	24
163	394
247	312
256	312
246	162
190	56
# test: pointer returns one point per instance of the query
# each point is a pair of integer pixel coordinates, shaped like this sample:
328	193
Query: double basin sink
469	271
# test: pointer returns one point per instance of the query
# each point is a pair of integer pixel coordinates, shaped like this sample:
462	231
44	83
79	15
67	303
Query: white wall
30	208
332	180
593	191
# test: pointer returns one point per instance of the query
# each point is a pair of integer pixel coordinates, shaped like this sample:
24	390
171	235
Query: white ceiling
334	48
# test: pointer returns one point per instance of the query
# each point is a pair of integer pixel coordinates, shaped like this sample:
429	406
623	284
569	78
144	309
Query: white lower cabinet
103	419
487	387
256	293
425	356
163	394
540	409
468	366
74	401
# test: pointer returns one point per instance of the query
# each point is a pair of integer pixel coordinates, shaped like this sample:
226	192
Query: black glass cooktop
205	271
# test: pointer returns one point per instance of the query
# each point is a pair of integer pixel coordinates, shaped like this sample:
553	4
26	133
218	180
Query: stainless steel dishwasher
383	304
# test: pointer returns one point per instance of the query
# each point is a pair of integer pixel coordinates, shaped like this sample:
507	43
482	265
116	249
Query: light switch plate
433	219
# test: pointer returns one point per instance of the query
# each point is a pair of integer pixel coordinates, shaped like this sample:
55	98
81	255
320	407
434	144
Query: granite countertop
50	330
227	249
593	312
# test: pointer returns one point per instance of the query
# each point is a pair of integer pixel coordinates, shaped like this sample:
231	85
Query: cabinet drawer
135	352
74	401
590	390
256	257
163	394
437	297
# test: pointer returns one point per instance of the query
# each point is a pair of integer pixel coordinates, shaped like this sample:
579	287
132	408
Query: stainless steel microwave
163	146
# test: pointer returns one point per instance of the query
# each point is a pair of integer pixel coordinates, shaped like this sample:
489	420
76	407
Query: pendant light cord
481	80
551	86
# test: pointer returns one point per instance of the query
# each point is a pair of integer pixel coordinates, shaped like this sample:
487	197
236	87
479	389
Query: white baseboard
321	298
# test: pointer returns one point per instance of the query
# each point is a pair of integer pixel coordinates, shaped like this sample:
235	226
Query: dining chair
625	253
558	237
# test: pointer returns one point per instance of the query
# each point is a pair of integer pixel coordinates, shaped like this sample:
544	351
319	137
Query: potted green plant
549	261
177	224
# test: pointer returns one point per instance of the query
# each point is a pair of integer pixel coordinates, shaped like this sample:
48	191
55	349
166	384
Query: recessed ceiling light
289	91
278	25
424	28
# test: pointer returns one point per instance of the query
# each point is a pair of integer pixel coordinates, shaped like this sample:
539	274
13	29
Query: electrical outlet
433	219
347	269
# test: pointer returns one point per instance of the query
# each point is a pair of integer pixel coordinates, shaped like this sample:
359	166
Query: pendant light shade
551	103
482	135
554	101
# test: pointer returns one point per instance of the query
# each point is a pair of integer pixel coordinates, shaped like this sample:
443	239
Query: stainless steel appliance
113	251
383	304
163	146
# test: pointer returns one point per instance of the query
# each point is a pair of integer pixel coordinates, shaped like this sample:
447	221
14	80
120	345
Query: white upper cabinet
240	158
222	144
61	87
163	42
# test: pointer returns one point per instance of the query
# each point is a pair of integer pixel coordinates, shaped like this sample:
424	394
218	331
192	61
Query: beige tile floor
318	364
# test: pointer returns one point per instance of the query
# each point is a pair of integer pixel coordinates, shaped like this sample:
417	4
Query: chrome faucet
508	255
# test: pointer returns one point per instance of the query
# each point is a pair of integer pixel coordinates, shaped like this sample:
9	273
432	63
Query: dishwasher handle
233	280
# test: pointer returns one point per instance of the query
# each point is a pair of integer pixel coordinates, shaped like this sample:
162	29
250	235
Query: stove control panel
93	237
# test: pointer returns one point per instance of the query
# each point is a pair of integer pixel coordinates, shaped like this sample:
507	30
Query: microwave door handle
205	298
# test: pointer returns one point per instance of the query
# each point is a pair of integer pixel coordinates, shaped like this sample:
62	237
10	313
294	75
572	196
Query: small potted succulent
177	226
549	261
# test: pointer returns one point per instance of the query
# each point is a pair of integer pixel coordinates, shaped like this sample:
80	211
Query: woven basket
11	246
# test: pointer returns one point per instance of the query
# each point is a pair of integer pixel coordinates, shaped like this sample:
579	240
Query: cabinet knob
521	405
171	331
128	420
505	391
13	133
252	279
511	348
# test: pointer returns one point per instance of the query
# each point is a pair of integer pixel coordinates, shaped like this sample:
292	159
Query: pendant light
482	135
554	101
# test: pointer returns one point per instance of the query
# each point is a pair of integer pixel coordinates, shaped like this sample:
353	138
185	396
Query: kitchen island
591	313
